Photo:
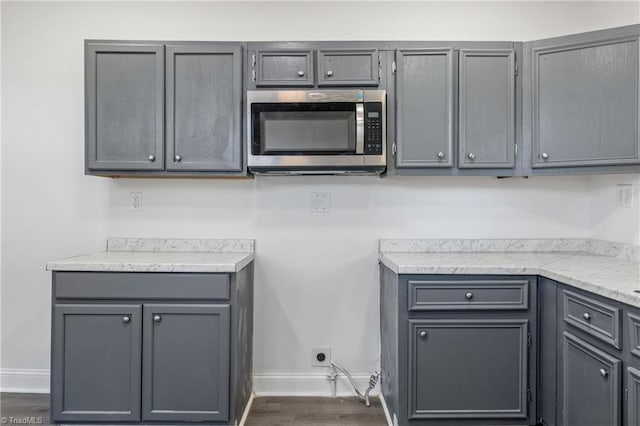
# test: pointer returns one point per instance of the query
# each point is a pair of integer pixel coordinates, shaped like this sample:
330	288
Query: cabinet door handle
586	316
441	155
469	296
603	372
329	73
471	156
157	318
300	73
152	158
545	156
423	334
178	158
126	319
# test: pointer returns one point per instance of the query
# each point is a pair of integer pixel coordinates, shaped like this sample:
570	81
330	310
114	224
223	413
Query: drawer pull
300	73
126	319
157	318
603	372
469	296
586	316
423	334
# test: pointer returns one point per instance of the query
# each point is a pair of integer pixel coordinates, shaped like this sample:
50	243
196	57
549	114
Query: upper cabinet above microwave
273	65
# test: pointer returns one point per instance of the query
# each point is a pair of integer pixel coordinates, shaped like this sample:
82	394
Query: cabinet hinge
516	69
394	148
529	339
626	394
528	395
393	67
379	73
516	151
253	60
253	75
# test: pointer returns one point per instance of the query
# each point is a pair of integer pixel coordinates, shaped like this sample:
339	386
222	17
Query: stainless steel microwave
317	131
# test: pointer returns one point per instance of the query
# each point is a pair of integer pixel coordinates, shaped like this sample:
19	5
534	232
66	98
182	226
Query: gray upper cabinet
291	67
203	107
424	107
186	363
591	385
468	369
487	115
584	99
348	67
96	362
124	95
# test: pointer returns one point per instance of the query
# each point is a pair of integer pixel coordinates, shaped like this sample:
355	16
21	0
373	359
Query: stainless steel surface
126	319
359	128
423	334
316	164
152	157
471	156
157	318
469	295
586	316
441	155
545	156
603	372
300	73
178	158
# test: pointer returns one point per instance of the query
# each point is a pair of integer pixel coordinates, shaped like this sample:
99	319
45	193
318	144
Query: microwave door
303	129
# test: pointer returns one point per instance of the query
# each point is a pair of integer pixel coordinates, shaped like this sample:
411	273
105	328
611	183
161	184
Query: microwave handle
360	128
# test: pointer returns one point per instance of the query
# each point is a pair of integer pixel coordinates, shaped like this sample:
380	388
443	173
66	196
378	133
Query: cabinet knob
152	157
126	319
157	318
300	73
471	156
423	334
178	158
586	316
441	155
329	73
469	296
545	156
603	372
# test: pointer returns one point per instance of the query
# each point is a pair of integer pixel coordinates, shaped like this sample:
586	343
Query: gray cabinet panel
596	318
633	401
285	68
124	106
591	385
473	368
585	101
185	362
348	67
487	108
424	107
203	97
96	362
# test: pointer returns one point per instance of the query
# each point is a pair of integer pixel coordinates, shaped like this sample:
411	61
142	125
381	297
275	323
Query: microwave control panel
373	128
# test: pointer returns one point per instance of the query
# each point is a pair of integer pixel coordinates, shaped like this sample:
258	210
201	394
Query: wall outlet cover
135	200
624	195
321	356
320	202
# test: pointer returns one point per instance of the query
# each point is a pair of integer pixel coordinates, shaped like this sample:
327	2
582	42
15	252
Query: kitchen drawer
440	295
284	68
596	318
140	285
348	67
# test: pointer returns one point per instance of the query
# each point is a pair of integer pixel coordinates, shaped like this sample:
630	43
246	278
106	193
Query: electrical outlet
135	200
320	202
624	195
321	356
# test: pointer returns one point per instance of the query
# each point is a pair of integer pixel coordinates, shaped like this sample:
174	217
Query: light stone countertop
162	255
609	276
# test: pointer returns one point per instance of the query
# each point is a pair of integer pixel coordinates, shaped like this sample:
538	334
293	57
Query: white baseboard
247	409
385	408
306	385
24	380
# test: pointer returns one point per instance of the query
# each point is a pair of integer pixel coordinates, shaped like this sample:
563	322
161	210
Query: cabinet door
585	100
124	106
424	82
633	401
285	68
468	369
348	67
96	362
204	93
185	363
487	109
591	385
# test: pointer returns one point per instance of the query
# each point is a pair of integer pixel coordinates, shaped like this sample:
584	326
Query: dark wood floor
267	411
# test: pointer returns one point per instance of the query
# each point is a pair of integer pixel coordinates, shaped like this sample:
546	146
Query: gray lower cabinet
145	100
633	396
151	347
124	92
459	349
592	382
583	94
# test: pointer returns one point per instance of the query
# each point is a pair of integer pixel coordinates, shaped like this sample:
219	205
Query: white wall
316	275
